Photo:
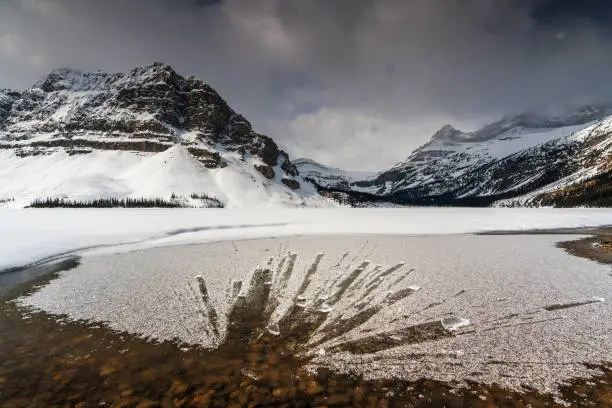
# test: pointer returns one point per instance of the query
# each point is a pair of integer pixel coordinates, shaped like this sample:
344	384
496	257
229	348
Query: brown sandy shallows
50	363
595	247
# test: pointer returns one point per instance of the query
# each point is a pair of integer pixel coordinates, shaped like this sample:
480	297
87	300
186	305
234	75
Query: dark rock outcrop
7	99
266	171
291	183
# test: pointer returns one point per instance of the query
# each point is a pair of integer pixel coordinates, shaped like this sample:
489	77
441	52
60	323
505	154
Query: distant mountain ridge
527	159
95	133
333	176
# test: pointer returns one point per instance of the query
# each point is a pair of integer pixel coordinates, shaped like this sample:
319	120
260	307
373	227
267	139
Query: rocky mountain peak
157	72
542	121
157	66
447	132
160	132
148	108
65	79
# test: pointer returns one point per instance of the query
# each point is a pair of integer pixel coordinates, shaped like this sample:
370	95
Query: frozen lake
31	235
508	309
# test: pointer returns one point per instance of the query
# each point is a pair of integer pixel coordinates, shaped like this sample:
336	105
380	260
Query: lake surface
76	350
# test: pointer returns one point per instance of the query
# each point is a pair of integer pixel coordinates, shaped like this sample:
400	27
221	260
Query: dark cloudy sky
353	83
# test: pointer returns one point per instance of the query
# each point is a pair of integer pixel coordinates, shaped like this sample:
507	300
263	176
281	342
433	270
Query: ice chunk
300	301
325	308
273	329
453	324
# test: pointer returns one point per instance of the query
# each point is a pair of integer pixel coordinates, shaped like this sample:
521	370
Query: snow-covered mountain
330	176
152	133
146	133
527	159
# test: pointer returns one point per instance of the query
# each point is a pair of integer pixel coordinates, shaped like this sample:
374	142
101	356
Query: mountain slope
519	157
148	132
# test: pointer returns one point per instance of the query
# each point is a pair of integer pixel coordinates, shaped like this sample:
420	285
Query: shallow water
46	362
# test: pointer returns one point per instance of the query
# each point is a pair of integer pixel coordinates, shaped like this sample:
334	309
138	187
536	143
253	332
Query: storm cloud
352	83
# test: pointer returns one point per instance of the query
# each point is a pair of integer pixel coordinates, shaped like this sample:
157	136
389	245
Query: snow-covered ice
31	235
452	324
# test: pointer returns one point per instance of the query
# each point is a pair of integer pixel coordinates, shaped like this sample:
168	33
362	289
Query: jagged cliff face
145	111
517	159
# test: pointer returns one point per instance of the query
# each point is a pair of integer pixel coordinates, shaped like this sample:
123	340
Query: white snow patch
31	235
120	174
